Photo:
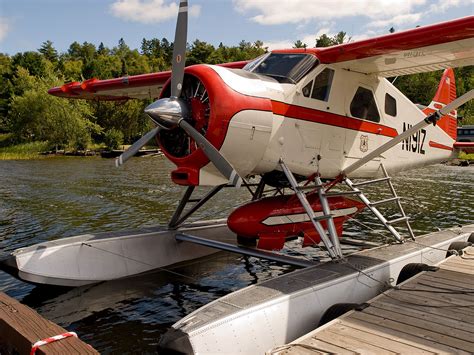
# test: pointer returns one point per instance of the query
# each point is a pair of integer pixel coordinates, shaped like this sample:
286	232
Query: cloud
398	20
380	15
4	27
277	12
149	11
442	6
308	38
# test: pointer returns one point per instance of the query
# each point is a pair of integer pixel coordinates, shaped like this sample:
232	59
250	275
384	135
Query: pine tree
49	52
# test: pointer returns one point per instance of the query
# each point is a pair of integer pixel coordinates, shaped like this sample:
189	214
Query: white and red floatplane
302	120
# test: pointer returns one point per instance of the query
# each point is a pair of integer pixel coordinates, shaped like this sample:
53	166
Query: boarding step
342	193
369	182
381	202
398	220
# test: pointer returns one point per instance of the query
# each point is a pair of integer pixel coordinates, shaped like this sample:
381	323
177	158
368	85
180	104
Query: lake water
59	197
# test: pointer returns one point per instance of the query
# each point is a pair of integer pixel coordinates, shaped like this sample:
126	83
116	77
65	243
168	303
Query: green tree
6	88
125	116
49	52
37	116
200	53
33	61
323	41
71	69
299	44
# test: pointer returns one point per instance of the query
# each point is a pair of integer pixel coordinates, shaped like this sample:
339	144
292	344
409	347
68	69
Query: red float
272	220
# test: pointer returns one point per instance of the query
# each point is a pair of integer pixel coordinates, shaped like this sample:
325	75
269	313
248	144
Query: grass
10	151
466	156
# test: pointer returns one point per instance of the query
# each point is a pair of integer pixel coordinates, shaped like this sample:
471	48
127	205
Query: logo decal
364	143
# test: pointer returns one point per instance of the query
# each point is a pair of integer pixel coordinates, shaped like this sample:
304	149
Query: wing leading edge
422	49
128	87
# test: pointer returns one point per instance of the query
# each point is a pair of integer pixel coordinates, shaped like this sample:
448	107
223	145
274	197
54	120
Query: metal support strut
332	241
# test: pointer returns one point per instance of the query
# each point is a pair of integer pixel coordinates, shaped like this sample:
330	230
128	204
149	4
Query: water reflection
55	198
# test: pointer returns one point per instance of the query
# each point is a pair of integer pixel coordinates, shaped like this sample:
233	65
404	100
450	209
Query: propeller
172	112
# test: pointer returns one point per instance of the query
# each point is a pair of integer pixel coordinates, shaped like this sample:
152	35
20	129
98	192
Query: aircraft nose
167	112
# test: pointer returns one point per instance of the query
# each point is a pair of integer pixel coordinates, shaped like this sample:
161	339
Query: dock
432	312
21	327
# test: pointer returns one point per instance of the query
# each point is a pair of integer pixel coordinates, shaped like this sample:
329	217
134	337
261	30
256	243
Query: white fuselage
301	128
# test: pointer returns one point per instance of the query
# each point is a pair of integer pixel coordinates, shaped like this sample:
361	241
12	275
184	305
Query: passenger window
322	85
390	105
307	89
363	105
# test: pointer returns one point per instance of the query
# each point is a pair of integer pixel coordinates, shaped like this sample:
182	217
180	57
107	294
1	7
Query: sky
26	24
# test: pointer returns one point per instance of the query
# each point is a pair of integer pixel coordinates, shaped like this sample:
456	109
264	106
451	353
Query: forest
35	120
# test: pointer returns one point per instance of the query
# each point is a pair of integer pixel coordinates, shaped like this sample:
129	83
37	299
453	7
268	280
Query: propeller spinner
172	112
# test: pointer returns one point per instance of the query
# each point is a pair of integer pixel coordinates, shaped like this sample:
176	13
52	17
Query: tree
200	53
323	41
71	69
299	44
6	88
102	50
340	38
33	61
49	52
38	116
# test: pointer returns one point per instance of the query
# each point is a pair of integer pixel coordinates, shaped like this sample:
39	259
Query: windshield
284	67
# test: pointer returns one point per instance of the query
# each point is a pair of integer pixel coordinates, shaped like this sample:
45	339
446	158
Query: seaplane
304	131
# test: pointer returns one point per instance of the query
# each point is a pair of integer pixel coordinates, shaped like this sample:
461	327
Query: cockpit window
284	67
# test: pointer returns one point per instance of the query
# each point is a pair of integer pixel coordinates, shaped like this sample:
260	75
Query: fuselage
324	122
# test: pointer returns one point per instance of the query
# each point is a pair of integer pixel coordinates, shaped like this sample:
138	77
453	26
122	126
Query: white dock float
430	313
275	312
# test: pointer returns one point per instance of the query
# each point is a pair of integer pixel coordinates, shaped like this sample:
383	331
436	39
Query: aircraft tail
444	95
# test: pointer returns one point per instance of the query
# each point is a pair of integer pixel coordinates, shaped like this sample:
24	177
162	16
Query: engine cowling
238	125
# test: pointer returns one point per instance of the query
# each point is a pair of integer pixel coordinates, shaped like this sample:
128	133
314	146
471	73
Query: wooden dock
432	312
21	327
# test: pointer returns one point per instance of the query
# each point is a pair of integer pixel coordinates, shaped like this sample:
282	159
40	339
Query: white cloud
396	20
308	38
149	11
380	15
442	6
4	27
277	12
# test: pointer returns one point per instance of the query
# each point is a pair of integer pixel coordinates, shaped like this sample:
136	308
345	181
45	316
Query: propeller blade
135	147
179	50
221	163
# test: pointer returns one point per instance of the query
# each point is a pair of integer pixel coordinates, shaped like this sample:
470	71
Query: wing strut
433	118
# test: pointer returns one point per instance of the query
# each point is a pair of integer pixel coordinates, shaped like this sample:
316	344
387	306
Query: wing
427	48
128	87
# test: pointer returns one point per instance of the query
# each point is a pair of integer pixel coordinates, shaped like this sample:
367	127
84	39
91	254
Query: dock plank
388	345
403	337
432	312
392	342
439	333
436	338
21	326
422	313
350	343
446	282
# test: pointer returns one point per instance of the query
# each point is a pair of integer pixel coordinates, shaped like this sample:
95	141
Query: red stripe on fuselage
331	119
440	146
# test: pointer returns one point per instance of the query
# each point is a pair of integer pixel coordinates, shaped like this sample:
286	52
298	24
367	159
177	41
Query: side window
322	85
390	105
363	105
307	89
